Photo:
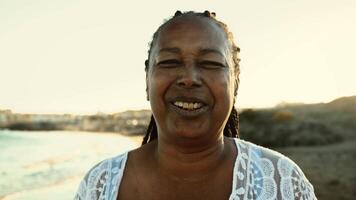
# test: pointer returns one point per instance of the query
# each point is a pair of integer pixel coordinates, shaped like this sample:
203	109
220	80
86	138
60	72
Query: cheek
158	84
222	86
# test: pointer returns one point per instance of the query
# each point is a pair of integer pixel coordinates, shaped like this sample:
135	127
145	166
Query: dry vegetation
320	138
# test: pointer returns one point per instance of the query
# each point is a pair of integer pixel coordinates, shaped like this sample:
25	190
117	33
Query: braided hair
232	126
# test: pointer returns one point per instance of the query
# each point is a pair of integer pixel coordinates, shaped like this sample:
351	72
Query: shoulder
100	181
285	178
261	152
258	152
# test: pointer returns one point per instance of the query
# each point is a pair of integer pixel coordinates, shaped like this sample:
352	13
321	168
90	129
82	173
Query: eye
211	64
169	63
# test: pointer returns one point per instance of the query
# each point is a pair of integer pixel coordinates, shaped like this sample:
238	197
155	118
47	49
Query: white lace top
259	173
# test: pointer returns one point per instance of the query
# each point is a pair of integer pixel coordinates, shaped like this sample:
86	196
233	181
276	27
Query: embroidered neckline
258	173
234	181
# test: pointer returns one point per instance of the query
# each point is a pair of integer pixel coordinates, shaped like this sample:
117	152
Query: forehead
191	33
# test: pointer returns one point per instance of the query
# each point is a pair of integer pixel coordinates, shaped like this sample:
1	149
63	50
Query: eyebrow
201	51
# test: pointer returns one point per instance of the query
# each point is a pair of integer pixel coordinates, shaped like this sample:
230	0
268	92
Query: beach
50	164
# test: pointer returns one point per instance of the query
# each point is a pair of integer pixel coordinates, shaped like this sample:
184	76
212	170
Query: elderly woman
191	149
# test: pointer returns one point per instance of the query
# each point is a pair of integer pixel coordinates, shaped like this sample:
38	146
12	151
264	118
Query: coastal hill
347	104
301	124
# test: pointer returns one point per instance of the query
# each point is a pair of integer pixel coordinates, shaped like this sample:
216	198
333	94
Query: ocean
37	165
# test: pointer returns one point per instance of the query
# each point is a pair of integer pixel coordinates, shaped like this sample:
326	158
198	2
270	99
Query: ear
236	87
237	80
146	70
147	94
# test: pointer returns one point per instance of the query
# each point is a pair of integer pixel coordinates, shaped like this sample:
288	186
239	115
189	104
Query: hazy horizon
85	57
137	109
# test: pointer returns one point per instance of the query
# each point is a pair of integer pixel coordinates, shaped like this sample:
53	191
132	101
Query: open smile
189	107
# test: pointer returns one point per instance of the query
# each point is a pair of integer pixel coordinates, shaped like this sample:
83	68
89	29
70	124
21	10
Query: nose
189	77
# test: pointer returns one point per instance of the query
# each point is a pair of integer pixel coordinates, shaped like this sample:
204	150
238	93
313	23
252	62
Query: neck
190	161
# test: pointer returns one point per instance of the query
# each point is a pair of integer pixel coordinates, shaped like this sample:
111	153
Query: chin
189	134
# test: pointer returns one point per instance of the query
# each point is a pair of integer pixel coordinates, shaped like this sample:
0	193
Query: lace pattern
255	175
259	173
293	183
102	181
264	174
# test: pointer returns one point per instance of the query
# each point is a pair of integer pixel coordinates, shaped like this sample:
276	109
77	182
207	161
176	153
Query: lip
188	113
188	99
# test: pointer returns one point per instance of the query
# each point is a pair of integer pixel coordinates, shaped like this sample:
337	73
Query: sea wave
48	165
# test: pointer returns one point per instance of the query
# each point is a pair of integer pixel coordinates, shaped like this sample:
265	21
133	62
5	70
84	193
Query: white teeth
195	105
188	106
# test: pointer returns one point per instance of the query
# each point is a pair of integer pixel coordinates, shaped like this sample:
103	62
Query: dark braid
232	126
151	133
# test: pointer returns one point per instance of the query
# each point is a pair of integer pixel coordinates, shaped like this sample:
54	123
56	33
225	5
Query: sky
84	57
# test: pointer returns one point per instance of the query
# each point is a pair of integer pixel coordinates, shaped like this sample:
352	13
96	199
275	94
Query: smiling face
191	79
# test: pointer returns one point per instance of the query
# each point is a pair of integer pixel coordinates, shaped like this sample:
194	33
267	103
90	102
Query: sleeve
102	181
94	184
293	183
81	193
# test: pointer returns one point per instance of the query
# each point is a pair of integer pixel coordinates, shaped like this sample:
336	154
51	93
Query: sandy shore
59	151
62	190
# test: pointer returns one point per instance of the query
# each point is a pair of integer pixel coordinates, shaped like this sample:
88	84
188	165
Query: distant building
4	117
